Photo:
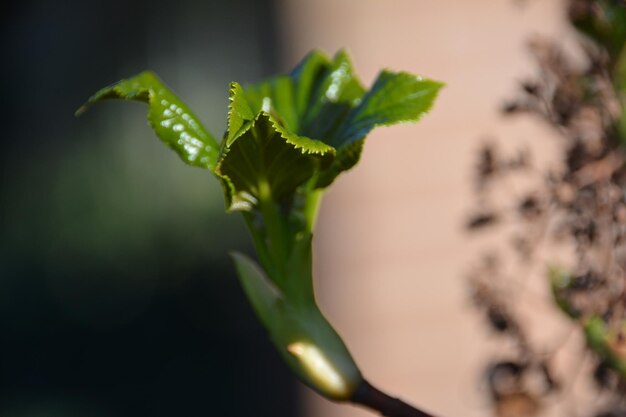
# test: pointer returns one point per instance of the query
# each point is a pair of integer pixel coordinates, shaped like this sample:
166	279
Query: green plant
288	139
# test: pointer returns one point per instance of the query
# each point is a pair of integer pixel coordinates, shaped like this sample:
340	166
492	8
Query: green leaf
306	77
313	99
333	91
306	126
171	119
346	158
264	296
275	96
240	114
262	160
324	100
394	98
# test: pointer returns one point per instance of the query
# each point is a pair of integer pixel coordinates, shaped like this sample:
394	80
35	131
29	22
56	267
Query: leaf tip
237	256
234	88
438	85
81	110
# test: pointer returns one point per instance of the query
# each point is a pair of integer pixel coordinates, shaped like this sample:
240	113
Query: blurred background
117	296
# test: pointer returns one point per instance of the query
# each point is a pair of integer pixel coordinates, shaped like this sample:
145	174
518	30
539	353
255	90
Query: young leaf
240	114
171	119
395	97
262	159
332	94
313	99
306	76
264	296
324	100
345	158
275	96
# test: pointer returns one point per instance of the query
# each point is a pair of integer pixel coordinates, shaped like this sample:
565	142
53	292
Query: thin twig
368	396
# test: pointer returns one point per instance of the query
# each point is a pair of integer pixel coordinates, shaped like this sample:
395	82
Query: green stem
311	208
260	245
276	232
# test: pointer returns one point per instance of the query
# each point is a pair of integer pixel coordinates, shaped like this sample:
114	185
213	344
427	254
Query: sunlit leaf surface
305	127
323	99
262	159
171	119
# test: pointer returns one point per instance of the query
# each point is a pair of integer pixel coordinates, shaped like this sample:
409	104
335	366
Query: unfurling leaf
261	159
324	100
171	119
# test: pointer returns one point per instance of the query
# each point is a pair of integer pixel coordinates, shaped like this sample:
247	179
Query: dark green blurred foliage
116	299
603	21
